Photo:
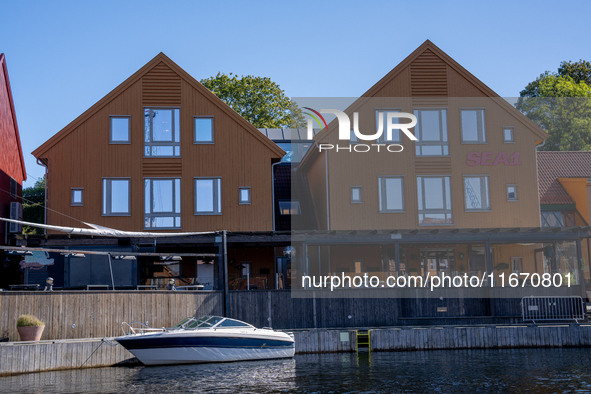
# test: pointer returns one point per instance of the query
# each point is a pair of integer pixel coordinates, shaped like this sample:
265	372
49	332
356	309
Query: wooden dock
447	337
23	357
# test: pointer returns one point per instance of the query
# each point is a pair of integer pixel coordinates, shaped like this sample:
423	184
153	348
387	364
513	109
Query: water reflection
485	371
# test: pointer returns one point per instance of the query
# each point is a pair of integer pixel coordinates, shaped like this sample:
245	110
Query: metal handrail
141	330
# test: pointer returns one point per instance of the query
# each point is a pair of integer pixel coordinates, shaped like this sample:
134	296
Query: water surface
446	371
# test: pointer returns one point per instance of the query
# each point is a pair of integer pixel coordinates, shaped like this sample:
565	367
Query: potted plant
29	328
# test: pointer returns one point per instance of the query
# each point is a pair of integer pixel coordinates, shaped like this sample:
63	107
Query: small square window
119	127
203	130
508	134
289	207
511	192
77	197
244	195
355	194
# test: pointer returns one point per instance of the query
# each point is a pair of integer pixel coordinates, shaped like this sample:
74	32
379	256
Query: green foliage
33	202
560	103
257	99
28	321
579	71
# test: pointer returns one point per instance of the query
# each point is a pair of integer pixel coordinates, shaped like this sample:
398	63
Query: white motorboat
205	340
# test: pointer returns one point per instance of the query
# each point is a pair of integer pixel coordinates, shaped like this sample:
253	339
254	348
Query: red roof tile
554	165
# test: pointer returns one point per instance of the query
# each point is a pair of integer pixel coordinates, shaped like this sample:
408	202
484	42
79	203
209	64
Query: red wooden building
12	172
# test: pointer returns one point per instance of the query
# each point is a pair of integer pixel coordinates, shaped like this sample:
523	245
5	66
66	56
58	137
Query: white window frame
383	197
217	196
291	202
175	213
119	142
240	200
447	209
514	185
512	140
484	194
480	125
72	191
353	200
443	138
203	142
107	196
176	132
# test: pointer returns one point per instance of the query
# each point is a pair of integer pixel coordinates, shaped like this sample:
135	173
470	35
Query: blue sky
63	56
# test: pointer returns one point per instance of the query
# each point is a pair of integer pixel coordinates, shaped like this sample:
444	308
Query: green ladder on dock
363	340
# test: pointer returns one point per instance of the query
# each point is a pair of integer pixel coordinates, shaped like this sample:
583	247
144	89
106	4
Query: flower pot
30	333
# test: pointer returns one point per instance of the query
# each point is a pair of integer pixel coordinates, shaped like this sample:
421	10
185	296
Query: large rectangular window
208	196
476	194
431	132
162	132
434	196
162	203
116	197
473	130
391	194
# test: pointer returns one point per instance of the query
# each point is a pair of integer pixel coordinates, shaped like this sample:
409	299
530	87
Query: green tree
33	206
579	71
560	103
257	99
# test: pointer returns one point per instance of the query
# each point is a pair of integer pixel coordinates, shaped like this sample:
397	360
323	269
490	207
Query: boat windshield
191	323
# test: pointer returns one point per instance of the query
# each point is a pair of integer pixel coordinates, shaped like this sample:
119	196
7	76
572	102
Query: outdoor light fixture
289	252
169	258
73	255
48	284
21	253
171	285
123	257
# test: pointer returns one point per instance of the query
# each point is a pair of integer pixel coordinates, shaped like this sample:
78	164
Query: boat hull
195	355
200	347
